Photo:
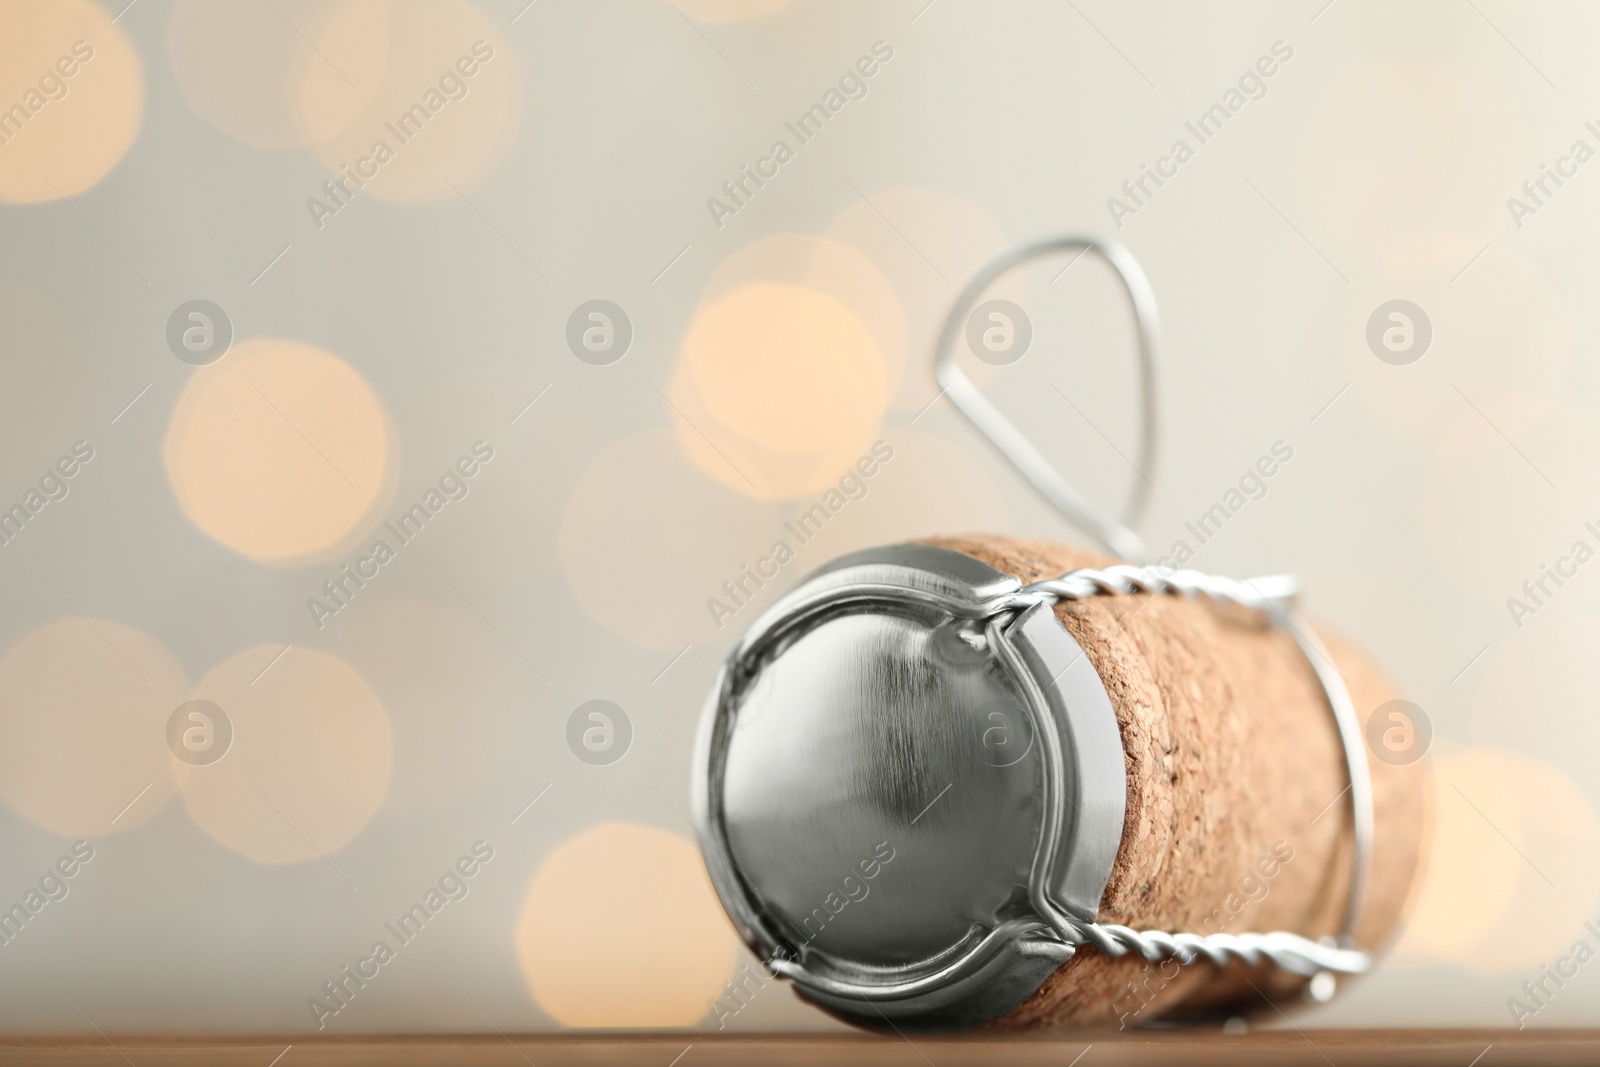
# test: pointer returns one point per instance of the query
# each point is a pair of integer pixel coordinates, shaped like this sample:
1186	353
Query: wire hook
1117	536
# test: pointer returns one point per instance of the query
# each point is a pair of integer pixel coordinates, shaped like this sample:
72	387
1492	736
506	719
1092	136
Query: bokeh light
280	451
310	759
331	91
927	243
603	946
788	368
234	64
1514	867
825	266
782	380
1468	879
436	85
83	710
1539	690
71	98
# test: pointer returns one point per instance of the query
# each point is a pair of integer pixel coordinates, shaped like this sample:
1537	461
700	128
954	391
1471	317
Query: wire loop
1117	536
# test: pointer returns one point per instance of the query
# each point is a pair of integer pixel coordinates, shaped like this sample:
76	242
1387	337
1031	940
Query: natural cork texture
1237	816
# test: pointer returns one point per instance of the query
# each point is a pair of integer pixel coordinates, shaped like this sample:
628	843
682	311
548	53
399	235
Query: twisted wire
1270	598
1289	951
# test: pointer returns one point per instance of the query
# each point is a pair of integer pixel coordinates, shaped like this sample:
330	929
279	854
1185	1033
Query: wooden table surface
1343	1048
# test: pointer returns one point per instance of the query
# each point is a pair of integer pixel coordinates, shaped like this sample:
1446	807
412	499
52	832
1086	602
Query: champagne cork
1237	813
920	806
938	797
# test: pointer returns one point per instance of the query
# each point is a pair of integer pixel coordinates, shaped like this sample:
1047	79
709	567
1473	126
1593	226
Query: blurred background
399	396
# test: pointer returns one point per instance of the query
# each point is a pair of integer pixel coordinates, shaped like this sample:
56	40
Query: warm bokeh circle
621	928
71	98
310	761
279	451
83	710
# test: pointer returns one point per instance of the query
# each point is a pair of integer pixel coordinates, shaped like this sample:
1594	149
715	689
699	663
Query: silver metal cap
909	778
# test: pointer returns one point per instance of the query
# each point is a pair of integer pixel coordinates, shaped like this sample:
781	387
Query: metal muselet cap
910	781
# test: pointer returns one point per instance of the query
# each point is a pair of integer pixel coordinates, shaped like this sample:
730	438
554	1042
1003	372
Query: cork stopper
1237	814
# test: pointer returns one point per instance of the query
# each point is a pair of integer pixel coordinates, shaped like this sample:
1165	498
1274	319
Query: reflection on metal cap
909	781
